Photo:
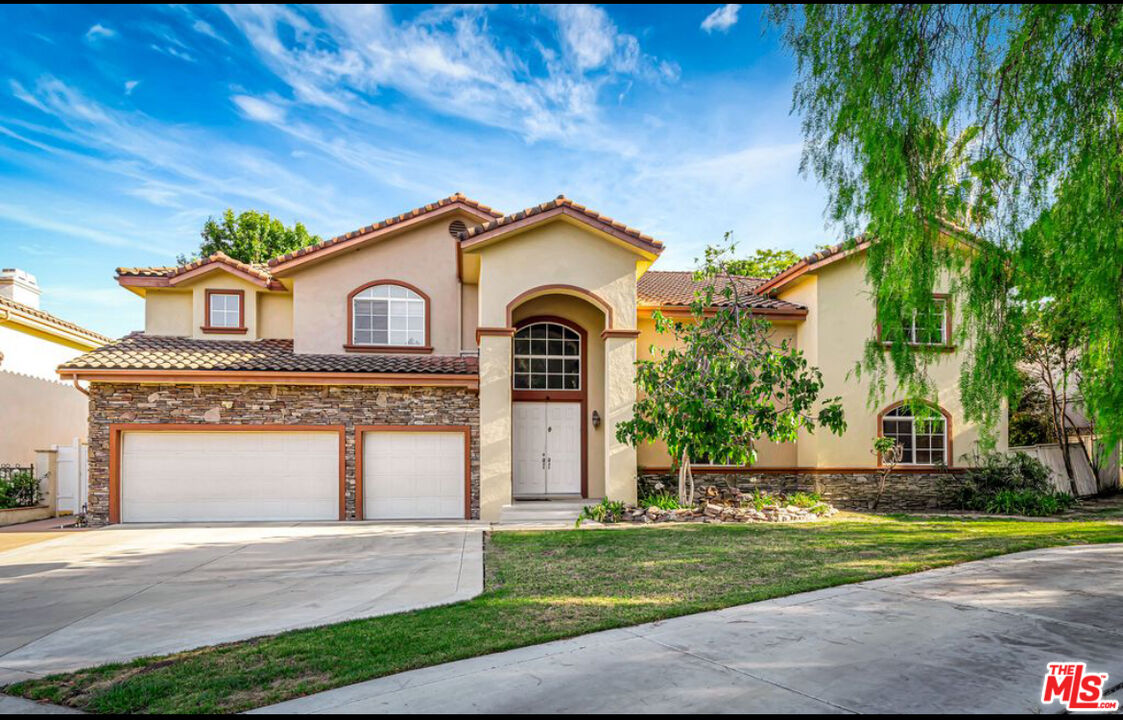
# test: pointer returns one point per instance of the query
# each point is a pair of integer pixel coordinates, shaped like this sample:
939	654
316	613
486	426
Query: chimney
20	286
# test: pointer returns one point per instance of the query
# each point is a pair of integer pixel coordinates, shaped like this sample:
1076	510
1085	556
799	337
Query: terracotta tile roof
49	319
258	270
676	288
444	202
160	352
157	271
814	260
561	201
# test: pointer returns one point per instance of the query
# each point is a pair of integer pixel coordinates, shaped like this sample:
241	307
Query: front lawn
547	585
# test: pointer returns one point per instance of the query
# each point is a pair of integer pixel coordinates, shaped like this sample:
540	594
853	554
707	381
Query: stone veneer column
495	425
619	402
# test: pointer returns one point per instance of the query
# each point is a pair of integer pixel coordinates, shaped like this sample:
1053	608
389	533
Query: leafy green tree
999	125
251	237
723	385
764	263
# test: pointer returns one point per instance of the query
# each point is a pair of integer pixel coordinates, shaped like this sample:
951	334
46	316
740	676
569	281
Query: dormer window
388	316
225	311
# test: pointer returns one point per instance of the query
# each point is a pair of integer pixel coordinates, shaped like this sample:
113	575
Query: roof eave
267	377
648	250
376	234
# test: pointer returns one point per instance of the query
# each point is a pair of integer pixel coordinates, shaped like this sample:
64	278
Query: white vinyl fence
1087	481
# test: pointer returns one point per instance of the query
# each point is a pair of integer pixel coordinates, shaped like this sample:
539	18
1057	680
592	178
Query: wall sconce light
596	419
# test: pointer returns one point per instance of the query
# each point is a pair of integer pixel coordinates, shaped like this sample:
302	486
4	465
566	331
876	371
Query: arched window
388	315
923	436
547	357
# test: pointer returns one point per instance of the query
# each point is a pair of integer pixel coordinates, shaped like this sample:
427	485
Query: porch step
551	512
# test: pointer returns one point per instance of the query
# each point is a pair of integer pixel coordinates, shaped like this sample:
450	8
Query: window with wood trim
923	436
224	310
547	357
388	315
928	326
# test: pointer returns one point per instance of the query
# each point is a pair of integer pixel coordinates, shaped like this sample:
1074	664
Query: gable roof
814	261
675	289
494	223
456	201
255	273
27	315
561	205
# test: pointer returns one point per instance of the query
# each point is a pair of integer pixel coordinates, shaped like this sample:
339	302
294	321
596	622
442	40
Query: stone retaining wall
347	405
854	490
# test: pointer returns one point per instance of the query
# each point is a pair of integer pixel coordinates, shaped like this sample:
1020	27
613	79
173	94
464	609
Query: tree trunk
685	480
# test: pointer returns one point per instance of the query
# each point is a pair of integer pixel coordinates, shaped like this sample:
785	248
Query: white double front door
546	445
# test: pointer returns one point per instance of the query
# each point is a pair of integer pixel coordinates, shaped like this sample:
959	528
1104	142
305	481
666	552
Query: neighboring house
440	364
36	410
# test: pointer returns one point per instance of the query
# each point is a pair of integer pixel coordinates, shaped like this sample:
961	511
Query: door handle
549	461
543	461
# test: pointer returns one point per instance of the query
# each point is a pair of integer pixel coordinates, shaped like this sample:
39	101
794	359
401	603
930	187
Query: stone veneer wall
852	490
347	405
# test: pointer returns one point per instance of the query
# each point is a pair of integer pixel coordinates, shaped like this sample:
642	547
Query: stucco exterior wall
844	319
37	413
223	281
30	352
654	454
556	253
274	315
169	312
469	316
424	257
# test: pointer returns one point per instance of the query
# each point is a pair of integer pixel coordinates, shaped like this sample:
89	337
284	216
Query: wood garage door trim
116	430
361	429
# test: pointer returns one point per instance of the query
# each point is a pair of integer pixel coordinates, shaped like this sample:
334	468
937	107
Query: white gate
73	487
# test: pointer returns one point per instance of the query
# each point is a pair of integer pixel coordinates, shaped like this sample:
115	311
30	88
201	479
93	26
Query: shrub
1029	502
21	489
663	500
805	499
761	498
606	511
1014	484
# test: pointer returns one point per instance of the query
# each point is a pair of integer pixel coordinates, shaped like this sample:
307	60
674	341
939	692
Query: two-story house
445	363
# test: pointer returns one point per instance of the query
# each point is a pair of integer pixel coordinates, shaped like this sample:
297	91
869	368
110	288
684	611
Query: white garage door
234	475
413	475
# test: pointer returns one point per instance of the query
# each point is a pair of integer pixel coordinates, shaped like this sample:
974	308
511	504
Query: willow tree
722	384
885	92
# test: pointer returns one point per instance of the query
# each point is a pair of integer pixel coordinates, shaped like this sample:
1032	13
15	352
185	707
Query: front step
551	512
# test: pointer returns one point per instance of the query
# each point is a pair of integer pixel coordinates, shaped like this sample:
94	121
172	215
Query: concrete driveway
128	591
972	638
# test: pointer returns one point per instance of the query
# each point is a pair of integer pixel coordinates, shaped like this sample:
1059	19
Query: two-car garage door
244	475
229	475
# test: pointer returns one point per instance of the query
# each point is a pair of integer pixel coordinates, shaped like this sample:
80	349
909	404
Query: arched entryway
549	398
557	383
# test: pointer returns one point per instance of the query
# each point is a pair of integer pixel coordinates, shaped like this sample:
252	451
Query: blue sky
123	128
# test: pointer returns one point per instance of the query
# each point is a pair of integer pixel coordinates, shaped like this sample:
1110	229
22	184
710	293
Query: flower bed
730	505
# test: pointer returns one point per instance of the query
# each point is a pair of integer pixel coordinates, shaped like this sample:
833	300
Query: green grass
542	586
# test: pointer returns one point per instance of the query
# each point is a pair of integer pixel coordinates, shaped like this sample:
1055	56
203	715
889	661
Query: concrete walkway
82	599
970	638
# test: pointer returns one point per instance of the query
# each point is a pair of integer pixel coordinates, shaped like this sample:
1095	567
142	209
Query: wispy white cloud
99	32
343	57
721	19
260	109
130	85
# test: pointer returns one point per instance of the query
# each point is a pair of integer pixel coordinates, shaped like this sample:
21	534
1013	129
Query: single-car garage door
229	475
413	475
